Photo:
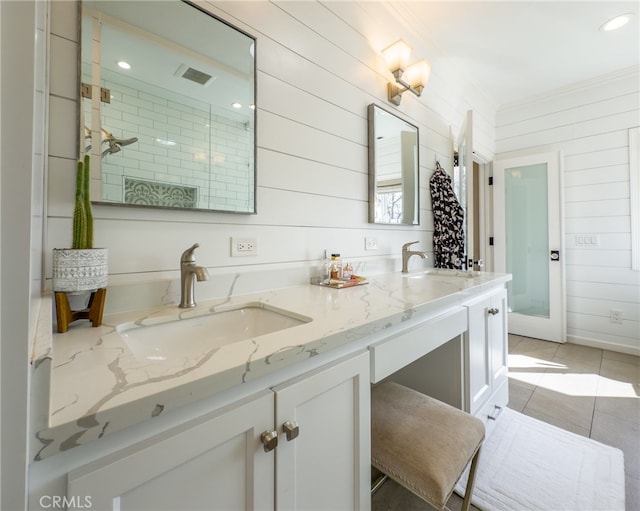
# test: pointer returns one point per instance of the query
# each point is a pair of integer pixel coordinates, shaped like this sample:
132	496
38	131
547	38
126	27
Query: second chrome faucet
406	255
189	274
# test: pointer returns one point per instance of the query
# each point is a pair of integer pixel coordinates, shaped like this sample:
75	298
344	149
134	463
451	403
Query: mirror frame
254	150
372	138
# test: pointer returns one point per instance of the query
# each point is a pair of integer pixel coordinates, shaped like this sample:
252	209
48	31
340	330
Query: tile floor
589	391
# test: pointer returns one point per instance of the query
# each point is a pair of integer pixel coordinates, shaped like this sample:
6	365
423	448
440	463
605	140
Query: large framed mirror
394	195
168	106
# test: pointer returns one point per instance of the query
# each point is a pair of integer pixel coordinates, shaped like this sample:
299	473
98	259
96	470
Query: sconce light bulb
397	55
123	64
417	75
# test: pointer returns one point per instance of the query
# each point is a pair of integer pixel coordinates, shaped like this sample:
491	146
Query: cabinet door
216	462
327	465
477	356
498	339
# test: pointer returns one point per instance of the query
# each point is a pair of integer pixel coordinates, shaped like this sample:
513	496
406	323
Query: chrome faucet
189	273
406	254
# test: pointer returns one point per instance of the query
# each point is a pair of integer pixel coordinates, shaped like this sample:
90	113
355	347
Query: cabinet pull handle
269	440
291	429
493	311
497	409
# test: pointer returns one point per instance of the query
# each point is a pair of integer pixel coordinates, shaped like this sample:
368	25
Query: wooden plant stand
93	312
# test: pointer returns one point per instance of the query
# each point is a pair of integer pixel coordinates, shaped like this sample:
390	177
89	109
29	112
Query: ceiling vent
199	77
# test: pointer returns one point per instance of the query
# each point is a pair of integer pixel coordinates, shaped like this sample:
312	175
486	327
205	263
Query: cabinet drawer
393	353
494	406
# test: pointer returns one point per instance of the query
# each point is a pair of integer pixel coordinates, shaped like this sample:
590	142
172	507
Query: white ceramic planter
77	270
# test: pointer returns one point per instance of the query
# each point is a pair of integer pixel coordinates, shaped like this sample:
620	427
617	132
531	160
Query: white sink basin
443	273
177	338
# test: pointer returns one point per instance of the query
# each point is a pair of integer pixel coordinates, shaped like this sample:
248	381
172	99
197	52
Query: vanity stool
423	444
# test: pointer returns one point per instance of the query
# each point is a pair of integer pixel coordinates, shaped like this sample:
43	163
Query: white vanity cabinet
486	355
220	461
216	462
328	465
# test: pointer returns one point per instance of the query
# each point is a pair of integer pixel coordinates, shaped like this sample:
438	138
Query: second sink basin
177	337
442	272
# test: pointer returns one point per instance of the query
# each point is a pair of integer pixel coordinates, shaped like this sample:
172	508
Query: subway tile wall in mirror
168	114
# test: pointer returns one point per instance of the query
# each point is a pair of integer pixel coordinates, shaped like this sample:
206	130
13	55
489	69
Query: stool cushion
420	442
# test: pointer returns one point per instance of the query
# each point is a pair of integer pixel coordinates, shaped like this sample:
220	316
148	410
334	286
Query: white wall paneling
24	94
590	123
634	182
319	66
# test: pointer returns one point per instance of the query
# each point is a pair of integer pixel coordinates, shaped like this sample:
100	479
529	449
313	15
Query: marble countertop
98	385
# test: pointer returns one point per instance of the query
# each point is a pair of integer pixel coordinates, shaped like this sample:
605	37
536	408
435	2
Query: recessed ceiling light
615	23
236	105
124	65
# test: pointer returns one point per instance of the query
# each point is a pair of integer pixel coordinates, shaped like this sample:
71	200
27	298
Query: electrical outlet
371	243
615	316
243	247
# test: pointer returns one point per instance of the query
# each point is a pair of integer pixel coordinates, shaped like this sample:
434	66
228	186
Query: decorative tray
340	283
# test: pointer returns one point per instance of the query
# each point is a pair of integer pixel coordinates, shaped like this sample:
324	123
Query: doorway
528	243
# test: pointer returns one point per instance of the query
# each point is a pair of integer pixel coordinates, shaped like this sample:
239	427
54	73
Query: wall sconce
412	77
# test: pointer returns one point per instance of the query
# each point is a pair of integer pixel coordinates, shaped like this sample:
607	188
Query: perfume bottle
325	268
336	267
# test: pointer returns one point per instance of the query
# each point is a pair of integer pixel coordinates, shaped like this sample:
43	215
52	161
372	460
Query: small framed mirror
394	196
168	106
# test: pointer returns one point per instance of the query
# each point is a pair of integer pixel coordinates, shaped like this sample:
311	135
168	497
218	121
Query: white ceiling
513	50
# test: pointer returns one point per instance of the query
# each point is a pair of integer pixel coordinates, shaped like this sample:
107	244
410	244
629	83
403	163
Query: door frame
478	206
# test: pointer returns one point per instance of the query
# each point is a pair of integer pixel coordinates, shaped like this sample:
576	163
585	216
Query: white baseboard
605	345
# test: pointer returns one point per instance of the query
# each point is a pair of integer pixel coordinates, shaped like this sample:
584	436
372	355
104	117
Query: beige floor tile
393	497
543	350
569	383
612	387
558	421
514	340
519	394
620	370
455	504
624	408
632	493
579	358
530	361
573	413
625	435
621	357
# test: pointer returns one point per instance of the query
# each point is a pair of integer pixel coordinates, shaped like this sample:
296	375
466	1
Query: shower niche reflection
167	114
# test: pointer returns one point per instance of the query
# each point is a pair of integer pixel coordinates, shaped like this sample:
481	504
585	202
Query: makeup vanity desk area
280	421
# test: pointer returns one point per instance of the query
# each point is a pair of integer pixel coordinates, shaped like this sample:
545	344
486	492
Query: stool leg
470	481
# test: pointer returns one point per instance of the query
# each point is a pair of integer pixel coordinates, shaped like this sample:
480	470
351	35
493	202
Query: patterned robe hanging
448	222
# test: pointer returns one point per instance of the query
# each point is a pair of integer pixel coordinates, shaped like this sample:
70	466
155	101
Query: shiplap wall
319	66
590	125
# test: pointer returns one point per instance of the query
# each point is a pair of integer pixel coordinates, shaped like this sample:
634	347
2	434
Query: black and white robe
448	222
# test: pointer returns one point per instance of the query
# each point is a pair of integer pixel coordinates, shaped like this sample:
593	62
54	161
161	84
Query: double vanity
258	401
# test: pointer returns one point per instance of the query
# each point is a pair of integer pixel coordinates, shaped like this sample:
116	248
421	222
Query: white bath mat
527	464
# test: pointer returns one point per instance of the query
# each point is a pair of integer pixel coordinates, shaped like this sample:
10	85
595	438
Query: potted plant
80	268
